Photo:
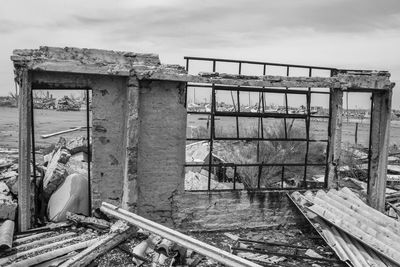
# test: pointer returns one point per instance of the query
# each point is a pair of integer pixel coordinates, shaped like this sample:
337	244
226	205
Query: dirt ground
45	122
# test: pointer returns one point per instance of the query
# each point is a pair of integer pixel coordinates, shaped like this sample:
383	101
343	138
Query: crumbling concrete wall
108	151
233	209
151	179
162	140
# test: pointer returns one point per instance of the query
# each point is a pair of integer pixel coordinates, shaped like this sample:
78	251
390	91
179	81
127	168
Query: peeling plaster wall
161	151
108	154
233	209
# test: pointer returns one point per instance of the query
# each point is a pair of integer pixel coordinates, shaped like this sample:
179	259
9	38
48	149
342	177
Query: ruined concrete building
139	134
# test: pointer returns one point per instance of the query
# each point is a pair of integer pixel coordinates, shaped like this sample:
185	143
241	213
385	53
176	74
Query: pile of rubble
82	240
8	195
44	103
60	183
116	237
68	104
64	179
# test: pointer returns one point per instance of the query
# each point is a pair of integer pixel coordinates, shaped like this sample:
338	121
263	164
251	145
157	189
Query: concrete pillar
161	154
108	132
130	189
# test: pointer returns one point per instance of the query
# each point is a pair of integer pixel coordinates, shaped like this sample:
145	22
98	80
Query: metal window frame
237	114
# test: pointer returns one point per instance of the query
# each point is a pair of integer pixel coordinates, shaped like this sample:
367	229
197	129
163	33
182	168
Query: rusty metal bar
307	130
202	248
268	252
253	164
89	152
260	63
260	115
238	112
234	177
271	243
262	89
256	139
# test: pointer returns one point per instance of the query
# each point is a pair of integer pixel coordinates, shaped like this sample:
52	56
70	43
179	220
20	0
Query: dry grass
247	152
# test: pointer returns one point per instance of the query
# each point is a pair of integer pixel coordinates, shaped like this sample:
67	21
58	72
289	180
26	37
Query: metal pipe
89	150
202	248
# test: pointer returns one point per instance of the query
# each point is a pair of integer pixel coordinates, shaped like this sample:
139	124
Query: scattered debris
68	104
175	236
8	205
87	221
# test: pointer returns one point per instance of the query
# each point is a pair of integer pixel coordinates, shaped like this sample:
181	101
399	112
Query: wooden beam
106	243
24	159
335	136
379	141
30	261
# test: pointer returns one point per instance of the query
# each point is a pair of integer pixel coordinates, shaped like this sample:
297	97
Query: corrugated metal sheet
356	232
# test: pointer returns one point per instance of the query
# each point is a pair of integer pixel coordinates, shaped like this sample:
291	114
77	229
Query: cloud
338	33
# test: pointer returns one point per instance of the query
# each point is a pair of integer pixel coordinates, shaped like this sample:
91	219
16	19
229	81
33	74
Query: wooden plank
24	168
335	136
85	257
379	141
54	253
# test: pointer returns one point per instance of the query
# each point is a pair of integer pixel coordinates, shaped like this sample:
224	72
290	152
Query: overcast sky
361	34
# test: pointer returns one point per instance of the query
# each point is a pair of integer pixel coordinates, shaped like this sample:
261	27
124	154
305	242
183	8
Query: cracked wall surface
108	157
162	141
233	209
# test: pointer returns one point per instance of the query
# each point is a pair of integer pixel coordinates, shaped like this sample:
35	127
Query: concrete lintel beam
82	60
373	81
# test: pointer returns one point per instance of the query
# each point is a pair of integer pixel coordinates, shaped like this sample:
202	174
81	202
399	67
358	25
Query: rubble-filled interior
248	185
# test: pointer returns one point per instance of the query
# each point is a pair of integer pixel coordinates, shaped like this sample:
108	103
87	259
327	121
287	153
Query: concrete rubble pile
359	234
359	167
8	199
59	185
64	179
68	104
82	240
